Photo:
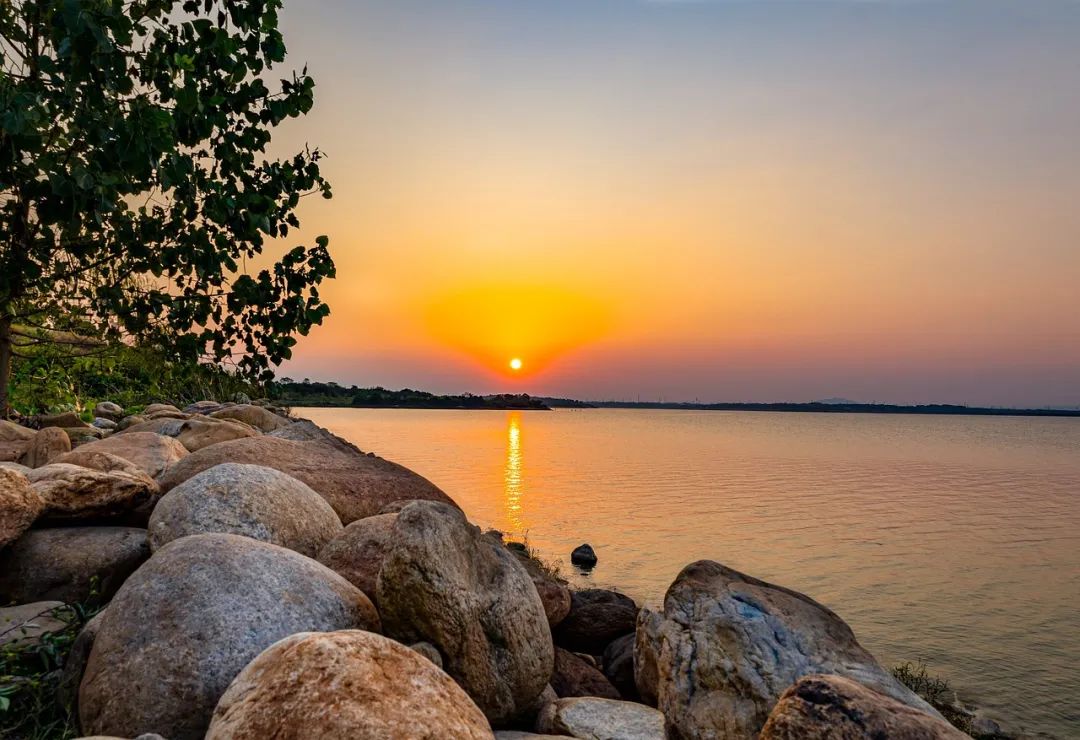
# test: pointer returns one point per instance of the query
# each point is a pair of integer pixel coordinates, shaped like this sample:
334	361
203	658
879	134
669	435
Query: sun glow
516	364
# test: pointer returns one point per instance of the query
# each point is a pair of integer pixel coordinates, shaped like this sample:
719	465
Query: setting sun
515	364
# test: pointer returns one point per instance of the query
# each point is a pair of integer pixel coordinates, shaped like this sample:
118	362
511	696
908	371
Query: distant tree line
307	393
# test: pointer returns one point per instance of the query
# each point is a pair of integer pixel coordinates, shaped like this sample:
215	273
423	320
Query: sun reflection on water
513	482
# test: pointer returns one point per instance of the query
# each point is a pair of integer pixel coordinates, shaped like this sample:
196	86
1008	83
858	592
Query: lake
949	539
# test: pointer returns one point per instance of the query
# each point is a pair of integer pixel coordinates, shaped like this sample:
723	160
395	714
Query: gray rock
47	445
71	564
129	421
202	407
105	425
67	692
20	505
166	427
429	651
836	708
584	556
342	686
590	718
189	620
619	666
255	416
726	646
76	494
23	625
445	583
597	617
249	500
517	735
109	410
357	553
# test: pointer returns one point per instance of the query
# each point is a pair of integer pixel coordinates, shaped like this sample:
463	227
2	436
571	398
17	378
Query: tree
135	184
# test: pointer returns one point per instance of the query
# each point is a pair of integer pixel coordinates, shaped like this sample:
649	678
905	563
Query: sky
725	200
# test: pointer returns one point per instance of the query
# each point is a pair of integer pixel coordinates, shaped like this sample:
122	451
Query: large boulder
25	624
67	692
166	427
553	591
64	420
618	664
189	620
358	552
160	408
20	505
249	500
574	676
445	583
45	446
597	617
108	410
726	646
76	494
151	453
341	686
14	440
837	708
256	416
70	564
195	434
202	407
592	718
87	457
355	484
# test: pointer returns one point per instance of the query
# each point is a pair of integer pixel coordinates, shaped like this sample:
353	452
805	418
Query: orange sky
715	200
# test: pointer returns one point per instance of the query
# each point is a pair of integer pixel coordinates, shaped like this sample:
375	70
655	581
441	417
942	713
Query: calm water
954	540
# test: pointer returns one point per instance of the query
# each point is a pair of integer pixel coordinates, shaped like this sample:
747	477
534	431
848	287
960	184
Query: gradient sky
755	200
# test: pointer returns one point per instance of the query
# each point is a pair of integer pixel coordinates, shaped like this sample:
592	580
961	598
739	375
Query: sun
516	364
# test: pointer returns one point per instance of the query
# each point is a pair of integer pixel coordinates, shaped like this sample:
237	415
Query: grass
937	693
526	551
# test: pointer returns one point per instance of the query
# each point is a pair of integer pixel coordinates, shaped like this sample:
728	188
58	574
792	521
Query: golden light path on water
512	476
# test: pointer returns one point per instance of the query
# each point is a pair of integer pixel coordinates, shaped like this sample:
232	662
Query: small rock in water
583	556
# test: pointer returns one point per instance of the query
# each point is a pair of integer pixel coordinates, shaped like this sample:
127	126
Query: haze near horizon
729	201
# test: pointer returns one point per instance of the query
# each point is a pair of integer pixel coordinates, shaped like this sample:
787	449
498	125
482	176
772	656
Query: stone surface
518	735
17	467
88	457
20	505
166	427
65	420
601	719
837	708
249	500
618	666
45	446
574	676
445	583
341	686
157	408
256	416
105	425
108	410
202	407
189	620
553	592
151	453
129	421
62	564
26	623
195	434
596	618
76	494
726	646
67	692
429	651
584	556
83	435
355	484
357	553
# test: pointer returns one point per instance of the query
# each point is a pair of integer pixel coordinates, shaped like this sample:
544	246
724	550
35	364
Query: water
949	539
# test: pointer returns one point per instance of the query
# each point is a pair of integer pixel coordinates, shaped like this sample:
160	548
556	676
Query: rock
76	494
255	416
67	692
15	466
241	398
516	735
601	719
573	676
445	583
83	435
167	426
65	420
553	592
88	457
15	434
583	556
130	421
307	431
837	708
109	410
726	646
596	618
151	453
166	415
202	407
356	485
24	625
249	500
984	726
195	434
20	505
429	651
357	553
105	425
157	408
619	666
61	564
340	686
47	445
186	623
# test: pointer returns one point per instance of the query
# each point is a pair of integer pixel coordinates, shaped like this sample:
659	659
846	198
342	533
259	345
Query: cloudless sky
715	200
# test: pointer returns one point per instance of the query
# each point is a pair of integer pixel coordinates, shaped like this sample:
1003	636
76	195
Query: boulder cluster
262	578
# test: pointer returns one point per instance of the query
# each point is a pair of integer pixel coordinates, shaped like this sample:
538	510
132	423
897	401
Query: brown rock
195	434
597	617
14	440
157	408
20	505
167	427
356	485
573	676
83	435
151	453
88	457
108	410
256	416
553	591
129	421
47	445
341	686
357	553
619	667
601	719
189	620
837	708
66	420
62	564
67	693
74	493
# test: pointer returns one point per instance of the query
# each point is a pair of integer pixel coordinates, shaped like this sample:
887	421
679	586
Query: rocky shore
260	577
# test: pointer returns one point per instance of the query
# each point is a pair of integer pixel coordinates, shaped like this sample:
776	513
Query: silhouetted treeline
307	393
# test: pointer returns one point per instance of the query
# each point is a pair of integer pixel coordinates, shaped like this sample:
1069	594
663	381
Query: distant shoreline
830	408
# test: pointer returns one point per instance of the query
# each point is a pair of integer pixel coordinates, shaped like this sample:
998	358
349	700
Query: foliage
30	674
134	180
307	393
935	691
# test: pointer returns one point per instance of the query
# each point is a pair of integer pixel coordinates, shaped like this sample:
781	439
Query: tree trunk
5	366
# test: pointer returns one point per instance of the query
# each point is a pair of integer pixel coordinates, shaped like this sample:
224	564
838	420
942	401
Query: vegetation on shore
289	392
